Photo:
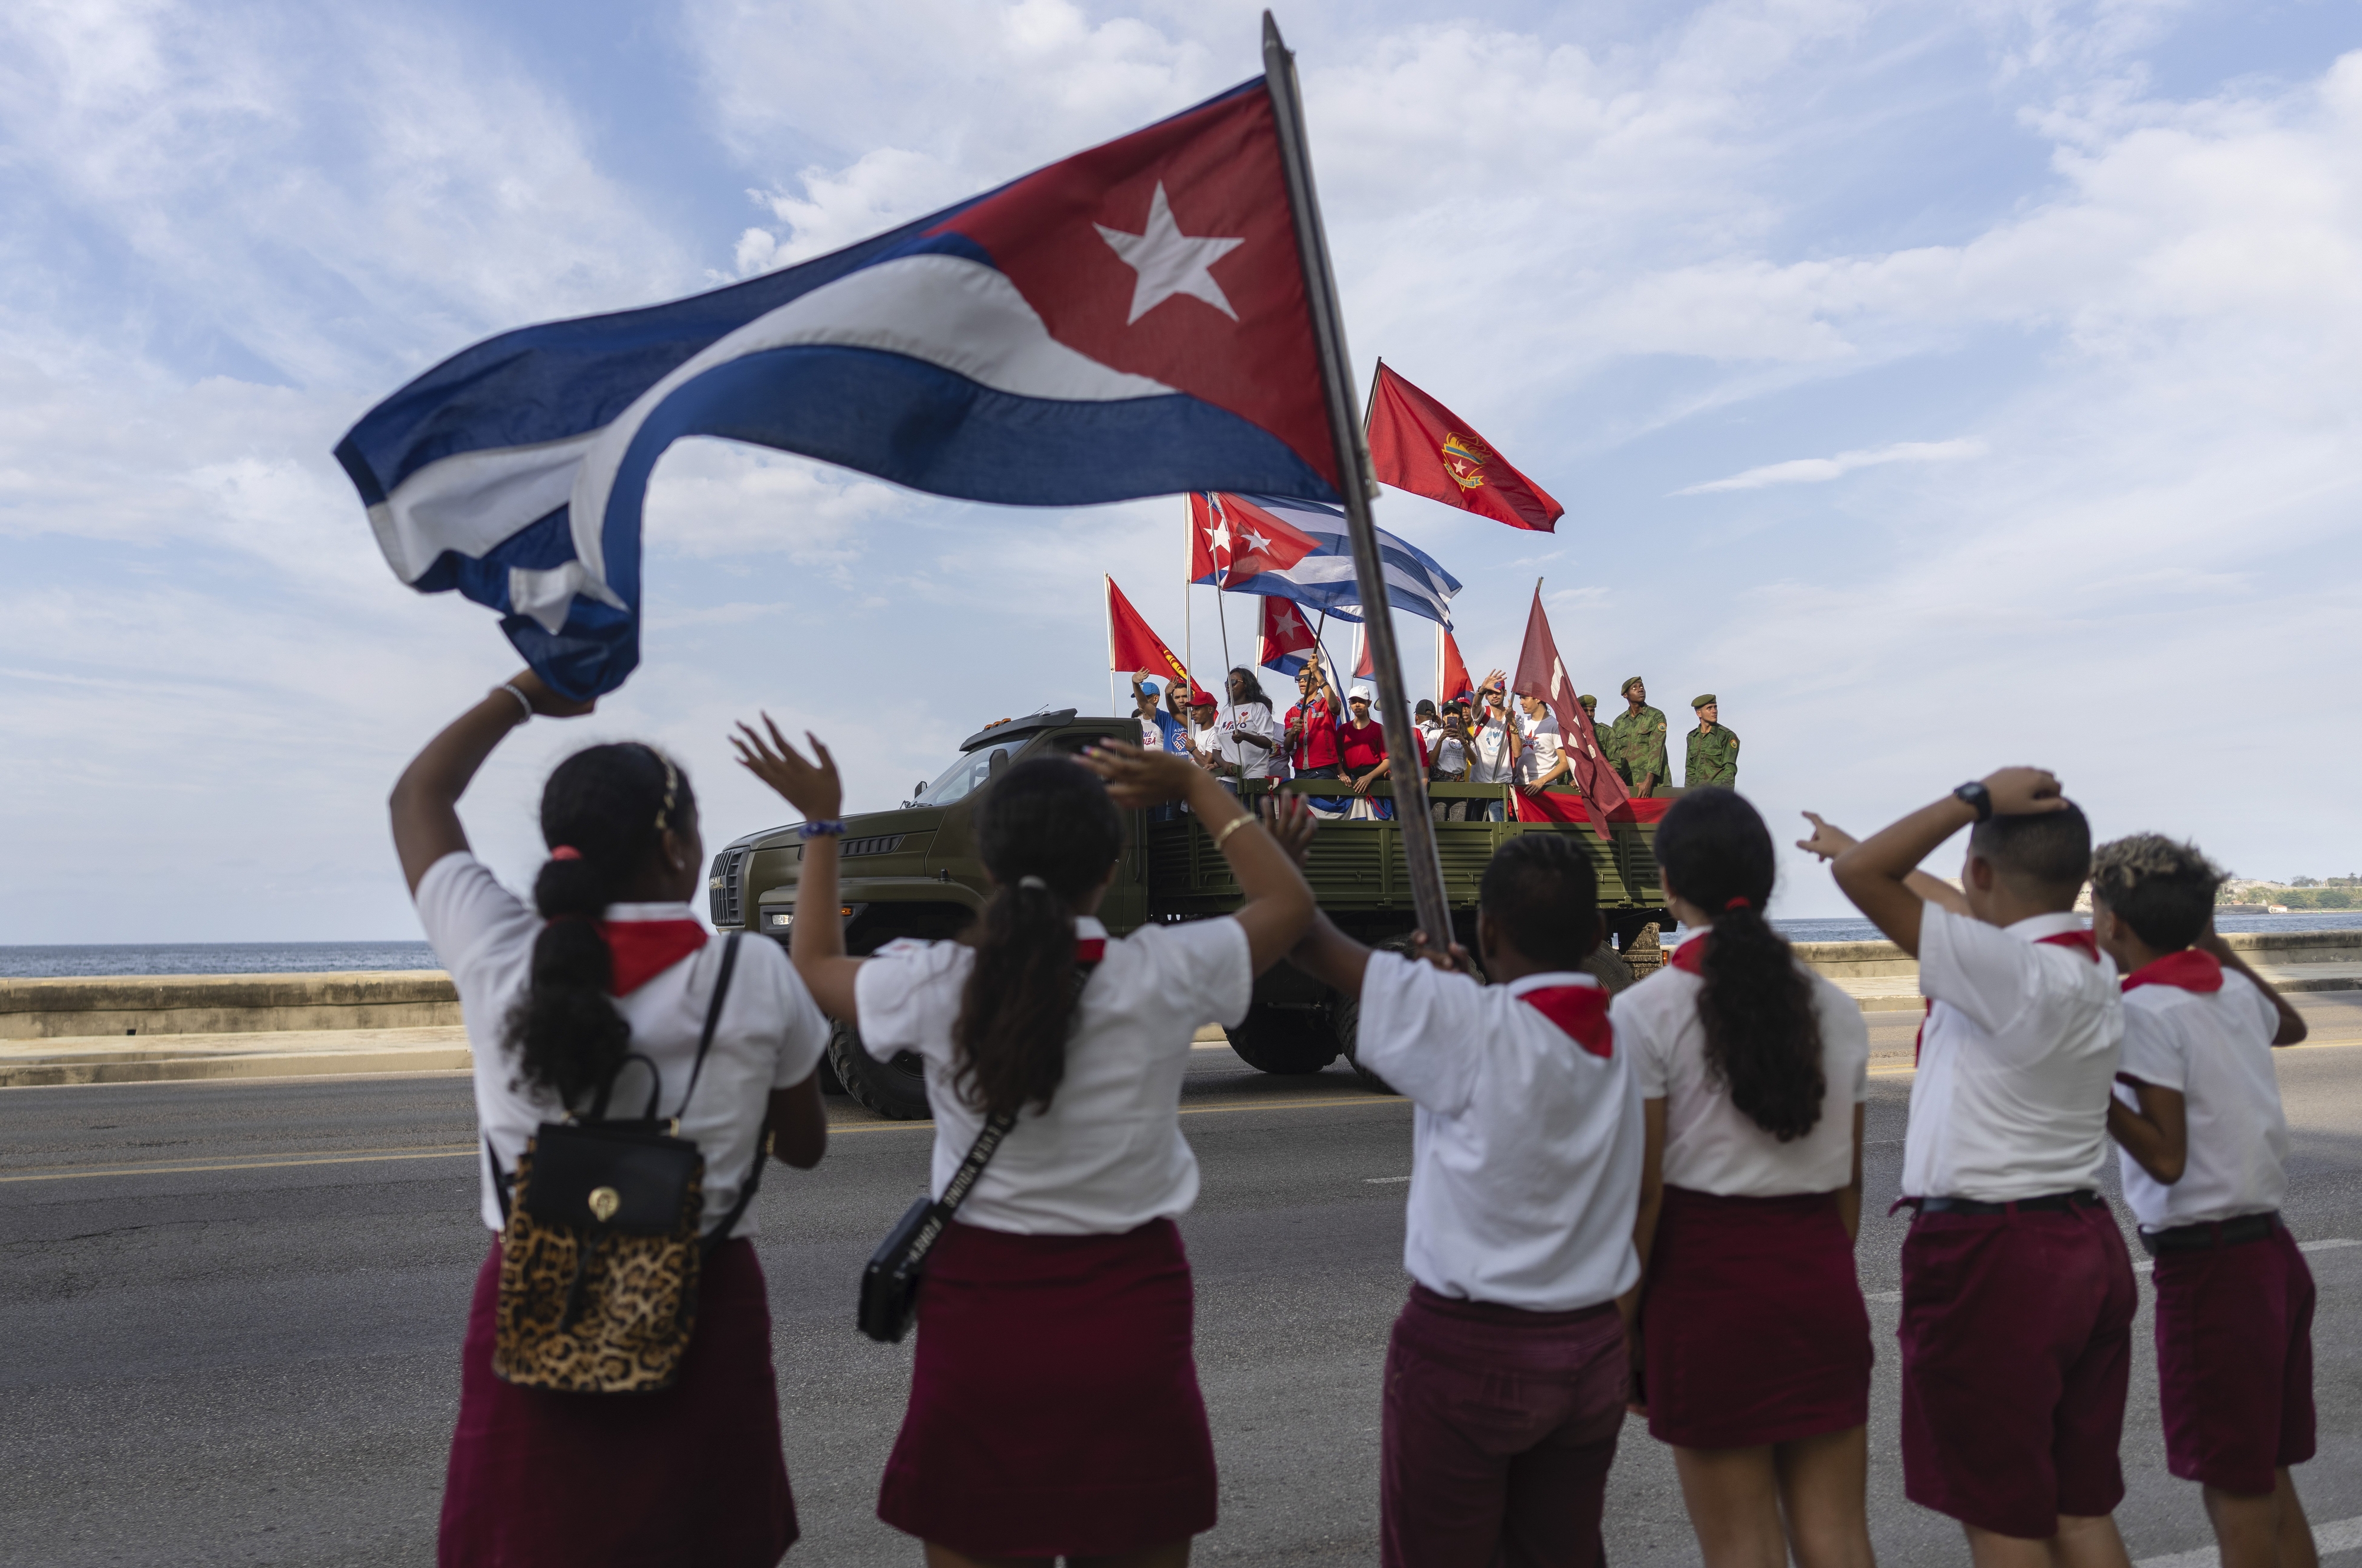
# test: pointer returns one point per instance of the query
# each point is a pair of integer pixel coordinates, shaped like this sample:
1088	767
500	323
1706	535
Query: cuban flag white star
1169	262
1258	541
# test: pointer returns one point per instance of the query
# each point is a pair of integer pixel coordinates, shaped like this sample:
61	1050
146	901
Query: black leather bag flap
638	1179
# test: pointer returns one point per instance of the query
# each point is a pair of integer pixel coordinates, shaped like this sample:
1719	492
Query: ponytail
1048	832
1763	1035
604	813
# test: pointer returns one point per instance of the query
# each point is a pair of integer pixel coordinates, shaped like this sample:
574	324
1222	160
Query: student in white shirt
1053	1403
1493	745
609	958
1249	737
1753	1070
1541	756
2017	1294
1505	1374
2203	1142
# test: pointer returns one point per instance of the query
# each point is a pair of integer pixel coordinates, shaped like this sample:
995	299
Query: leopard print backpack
600	1254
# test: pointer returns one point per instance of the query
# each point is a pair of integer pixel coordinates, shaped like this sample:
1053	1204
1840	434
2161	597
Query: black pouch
889	1281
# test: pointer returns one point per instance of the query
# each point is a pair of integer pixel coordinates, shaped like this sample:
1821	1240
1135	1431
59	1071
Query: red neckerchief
643	949
2188	970
1089	949
2083	942
1689	956
1580	1012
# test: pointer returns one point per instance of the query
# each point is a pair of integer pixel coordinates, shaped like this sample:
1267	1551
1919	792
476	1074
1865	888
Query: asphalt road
232	1313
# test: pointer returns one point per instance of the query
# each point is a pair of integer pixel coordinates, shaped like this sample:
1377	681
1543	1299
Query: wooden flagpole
1421	861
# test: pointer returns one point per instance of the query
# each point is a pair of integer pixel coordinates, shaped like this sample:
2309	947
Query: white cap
1363	694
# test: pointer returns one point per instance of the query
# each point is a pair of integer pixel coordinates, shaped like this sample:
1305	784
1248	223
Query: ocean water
212	959
311	957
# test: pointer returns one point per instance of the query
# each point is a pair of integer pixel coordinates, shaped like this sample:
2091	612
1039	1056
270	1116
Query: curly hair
1542	891
1048	832
1762	1036
2163	890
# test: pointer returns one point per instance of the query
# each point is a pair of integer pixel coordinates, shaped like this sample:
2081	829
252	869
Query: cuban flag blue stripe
514	472
1417	583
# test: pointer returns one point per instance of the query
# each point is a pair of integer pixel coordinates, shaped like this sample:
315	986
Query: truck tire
896	1089
1345	1019
1283	1039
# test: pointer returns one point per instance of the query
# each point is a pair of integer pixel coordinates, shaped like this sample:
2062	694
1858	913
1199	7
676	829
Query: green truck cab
913	872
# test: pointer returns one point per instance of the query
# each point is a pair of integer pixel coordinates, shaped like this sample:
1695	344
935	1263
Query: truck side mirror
918	790
999	763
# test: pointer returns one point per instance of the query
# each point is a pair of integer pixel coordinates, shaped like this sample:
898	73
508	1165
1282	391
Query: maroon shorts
2016	1350
1500	1425
692	1475
2234	1362
1054	1400
1752	1326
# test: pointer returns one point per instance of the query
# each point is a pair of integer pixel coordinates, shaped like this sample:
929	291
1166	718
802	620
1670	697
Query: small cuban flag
1130	322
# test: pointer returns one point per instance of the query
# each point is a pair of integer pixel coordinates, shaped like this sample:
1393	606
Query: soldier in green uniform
1637	742
1714	750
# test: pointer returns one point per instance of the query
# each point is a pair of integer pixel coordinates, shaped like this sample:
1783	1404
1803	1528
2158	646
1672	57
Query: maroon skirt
1053	1401
1752	1326
692	1475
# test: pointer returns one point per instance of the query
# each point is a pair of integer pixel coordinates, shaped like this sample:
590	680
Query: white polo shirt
1251	719
770	1035
2216	1048
1489	760
1525	1142
2016	1059
1108	1156
1711	1145
1541	747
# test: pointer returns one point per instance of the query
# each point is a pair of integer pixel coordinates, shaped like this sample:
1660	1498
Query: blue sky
1941	385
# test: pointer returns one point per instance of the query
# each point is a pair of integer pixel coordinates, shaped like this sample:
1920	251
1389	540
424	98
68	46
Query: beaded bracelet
820	830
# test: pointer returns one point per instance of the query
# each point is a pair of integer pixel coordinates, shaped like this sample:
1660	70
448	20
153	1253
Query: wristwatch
1977	798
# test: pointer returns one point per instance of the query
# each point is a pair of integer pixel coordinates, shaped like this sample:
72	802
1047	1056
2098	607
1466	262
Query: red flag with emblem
1542	673
1134	645
1420	446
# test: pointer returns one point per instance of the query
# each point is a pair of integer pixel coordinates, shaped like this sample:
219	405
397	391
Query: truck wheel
1345	1018
895	1089
1283	1040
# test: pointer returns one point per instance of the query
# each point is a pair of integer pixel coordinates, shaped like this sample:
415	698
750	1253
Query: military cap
1705	702
1629	682
1588	700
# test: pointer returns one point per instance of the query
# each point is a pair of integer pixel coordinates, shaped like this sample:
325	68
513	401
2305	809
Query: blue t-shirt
1168	735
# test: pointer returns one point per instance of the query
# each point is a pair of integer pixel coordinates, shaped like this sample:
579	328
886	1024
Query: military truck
914	872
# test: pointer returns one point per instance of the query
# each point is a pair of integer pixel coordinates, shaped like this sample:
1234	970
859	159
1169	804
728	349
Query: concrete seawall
226	1004
146	1028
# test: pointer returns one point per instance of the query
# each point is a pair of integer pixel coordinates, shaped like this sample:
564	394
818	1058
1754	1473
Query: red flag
1422	447
1451	676
1542	673
1363	666
1232	539
1132	646
1285	636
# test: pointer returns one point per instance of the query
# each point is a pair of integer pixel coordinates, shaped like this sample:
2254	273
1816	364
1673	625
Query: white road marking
2343	1535
1384	1180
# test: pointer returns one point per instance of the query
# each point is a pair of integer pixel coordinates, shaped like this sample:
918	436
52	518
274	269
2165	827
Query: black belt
2236	1232
2082	1197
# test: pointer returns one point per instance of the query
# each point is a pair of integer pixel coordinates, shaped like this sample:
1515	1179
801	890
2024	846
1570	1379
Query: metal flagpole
1107	616
1356	486
1188	648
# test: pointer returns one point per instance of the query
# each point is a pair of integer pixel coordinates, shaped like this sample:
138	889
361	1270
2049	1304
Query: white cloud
1820	471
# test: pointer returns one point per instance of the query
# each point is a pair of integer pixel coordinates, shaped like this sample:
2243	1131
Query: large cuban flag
1299	550
1130	322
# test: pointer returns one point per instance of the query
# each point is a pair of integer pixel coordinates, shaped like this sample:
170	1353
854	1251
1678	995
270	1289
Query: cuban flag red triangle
1133	321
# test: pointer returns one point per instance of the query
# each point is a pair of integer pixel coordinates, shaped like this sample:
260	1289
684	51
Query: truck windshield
971	771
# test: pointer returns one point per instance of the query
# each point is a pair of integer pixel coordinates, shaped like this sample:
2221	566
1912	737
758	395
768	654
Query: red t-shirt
1365	745
1318	745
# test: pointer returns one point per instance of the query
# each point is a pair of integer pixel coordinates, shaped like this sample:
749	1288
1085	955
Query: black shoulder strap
713	1016
500	1179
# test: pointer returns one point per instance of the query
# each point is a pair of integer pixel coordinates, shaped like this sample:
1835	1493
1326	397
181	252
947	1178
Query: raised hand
812	788
2024	791
1826	841
1453	957
1136	777
549	704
